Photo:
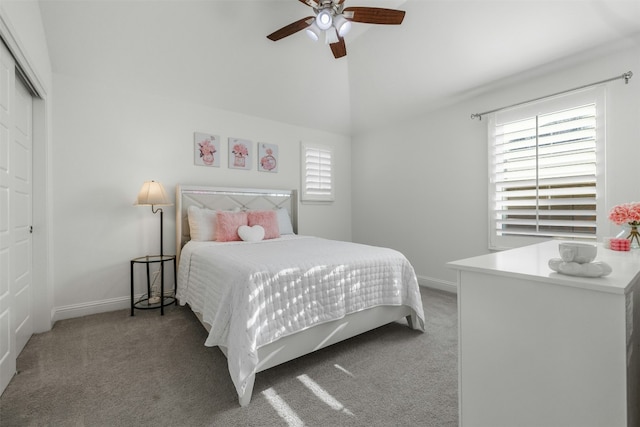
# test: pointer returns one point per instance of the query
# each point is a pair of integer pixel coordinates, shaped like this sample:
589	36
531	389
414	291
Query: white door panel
6	350
20	163
4	272
22	317
7	335
4	214
22	191
15	217
21	214
4	148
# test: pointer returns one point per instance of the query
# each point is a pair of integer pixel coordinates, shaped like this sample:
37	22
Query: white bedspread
254	293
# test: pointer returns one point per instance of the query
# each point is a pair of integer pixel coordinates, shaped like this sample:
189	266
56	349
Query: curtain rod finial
627	76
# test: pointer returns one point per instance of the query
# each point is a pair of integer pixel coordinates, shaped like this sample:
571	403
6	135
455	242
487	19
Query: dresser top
532	263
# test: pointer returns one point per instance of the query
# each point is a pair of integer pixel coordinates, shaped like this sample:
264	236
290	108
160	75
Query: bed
267	301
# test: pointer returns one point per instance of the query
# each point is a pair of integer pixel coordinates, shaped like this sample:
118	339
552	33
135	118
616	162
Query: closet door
15	216
21	219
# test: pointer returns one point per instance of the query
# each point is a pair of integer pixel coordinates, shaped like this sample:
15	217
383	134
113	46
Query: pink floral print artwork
206	149
239	153
268	157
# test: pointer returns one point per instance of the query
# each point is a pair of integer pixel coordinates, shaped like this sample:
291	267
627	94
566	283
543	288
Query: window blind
544	175
317	174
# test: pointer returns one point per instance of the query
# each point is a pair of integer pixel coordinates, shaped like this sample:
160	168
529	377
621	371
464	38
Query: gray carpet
111	369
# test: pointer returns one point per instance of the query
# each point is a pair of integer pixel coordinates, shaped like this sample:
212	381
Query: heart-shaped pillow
251	234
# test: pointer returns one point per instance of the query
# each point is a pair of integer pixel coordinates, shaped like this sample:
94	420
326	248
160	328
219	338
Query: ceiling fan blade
290	29
374	15
338	48
309	3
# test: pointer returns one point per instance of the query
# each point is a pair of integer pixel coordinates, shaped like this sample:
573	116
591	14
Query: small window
317	172
546	165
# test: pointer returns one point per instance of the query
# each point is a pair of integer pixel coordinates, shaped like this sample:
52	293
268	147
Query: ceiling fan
332	18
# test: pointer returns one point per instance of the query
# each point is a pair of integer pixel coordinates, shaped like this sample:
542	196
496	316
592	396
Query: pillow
284	221
268	220
251	234
202	223
227	224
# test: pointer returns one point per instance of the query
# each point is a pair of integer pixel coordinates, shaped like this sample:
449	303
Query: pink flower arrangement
240	150
207	149
626	213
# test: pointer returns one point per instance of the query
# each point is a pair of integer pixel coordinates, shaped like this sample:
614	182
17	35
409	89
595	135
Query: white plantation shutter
546	167
317	173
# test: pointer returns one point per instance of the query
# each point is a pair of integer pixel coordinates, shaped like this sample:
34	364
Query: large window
546	165
317	172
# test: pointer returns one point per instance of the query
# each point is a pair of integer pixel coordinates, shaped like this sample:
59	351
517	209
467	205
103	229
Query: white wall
23	18
99	144
421	186
109	140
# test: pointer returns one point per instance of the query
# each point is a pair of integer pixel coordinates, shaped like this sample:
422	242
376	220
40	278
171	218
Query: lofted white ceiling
215	52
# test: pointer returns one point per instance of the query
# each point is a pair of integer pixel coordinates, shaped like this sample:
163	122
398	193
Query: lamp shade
313	31
152	193
342	25
324	19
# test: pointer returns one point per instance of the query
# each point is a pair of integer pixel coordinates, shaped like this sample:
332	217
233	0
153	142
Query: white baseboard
93	307
121	303
442	285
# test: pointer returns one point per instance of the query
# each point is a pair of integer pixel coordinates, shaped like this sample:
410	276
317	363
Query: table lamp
152	193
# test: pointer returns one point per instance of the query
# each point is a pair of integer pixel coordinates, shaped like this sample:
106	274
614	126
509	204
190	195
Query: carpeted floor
115	370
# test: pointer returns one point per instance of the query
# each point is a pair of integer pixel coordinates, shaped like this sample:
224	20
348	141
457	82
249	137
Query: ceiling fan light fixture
313	32
324	20
342	25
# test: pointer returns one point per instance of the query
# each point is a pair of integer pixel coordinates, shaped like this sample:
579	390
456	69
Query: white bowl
581	253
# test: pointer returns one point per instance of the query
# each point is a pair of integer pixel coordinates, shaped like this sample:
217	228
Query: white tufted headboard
228	198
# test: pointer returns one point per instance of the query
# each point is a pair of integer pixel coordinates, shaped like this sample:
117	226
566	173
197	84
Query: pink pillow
268	220
227	224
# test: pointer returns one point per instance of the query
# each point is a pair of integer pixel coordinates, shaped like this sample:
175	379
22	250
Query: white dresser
541	349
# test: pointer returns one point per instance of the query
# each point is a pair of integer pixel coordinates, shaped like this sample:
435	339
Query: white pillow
284	221
202	224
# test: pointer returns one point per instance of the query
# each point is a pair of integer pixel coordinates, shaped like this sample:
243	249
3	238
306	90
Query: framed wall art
206	149
240	155
267	157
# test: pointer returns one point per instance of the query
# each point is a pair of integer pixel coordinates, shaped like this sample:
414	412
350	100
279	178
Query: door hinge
31	229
